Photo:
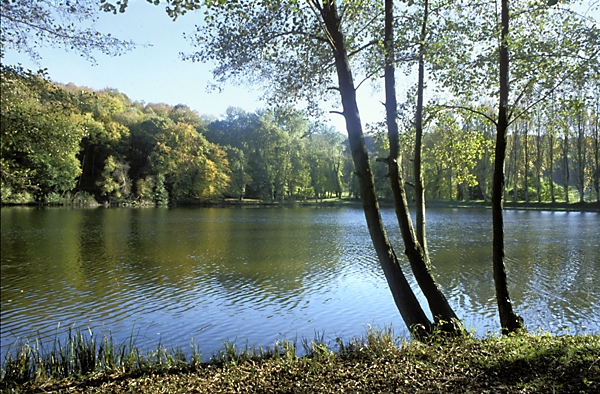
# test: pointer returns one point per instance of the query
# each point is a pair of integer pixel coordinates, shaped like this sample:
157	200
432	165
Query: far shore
541	206
337	202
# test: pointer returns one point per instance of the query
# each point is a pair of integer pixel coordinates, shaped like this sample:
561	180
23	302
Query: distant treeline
70	144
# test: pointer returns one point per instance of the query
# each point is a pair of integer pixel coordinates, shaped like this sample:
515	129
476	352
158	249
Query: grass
375	363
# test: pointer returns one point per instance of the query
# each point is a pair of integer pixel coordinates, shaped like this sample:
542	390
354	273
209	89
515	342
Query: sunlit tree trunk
581	153
515	166
450	183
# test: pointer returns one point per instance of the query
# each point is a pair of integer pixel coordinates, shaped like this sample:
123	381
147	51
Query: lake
255	275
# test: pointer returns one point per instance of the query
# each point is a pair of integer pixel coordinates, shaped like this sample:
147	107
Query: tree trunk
419	187
405	299
581	154
417	255
515	167
450	183
597	151
509	320
566	166
551	165
526	146
538	166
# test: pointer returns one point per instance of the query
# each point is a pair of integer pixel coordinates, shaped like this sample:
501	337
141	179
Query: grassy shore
375	363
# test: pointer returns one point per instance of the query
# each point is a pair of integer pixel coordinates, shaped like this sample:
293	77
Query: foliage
28	25
115	181
269	154
41	132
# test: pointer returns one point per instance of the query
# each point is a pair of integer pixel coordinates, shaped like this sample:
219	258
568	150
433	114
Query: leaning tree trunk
509	320
416	253
405	299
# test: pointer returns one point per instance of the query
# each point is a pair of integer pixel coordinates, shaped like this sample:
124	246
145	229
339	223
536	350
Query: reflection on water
258	275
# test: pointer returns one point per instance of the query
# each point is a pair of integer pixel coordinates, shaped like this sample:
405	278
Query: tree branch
365	79
351	54
469	109
552	90
298	32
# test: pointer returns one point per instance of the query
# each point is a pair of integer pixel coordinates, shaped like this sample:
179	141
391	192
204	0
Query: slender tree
419	183
417	255
597	146
409	310
509	320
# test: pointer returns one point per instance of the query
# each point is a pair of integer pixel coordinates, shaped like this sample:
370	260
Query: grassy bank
375	363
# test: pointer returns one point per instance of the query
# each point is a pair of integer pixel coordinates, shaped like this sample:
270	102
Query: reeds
83	353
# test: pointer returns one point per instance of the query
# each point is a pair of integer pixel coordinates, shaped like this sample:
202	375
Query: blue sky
155	73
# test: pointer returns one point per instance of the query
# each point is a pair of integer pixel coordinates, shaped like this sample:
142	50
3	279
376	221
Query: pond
255	275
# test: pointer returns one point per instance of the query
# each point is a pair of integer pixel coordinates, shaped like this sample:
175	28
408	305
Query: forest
69	144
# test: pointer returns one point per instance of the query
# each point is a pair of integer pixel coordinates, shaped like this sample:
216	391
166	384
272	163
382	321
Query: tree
596	128
28	25
414	243
547	47
195	170
509	320
459	148
325	159
403	295
419	182
41	131
115	182
104	135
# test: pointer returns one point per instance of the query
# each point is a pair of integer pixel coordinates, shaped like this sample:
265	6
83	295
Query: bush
10	197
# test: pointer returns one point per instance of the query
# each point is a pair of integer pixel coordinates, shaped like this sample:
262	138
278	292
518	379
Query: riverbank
336	202
521	205
373	364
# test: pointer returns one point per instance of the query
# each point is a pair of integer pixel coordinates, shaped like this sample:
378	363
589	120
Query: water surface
256	275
